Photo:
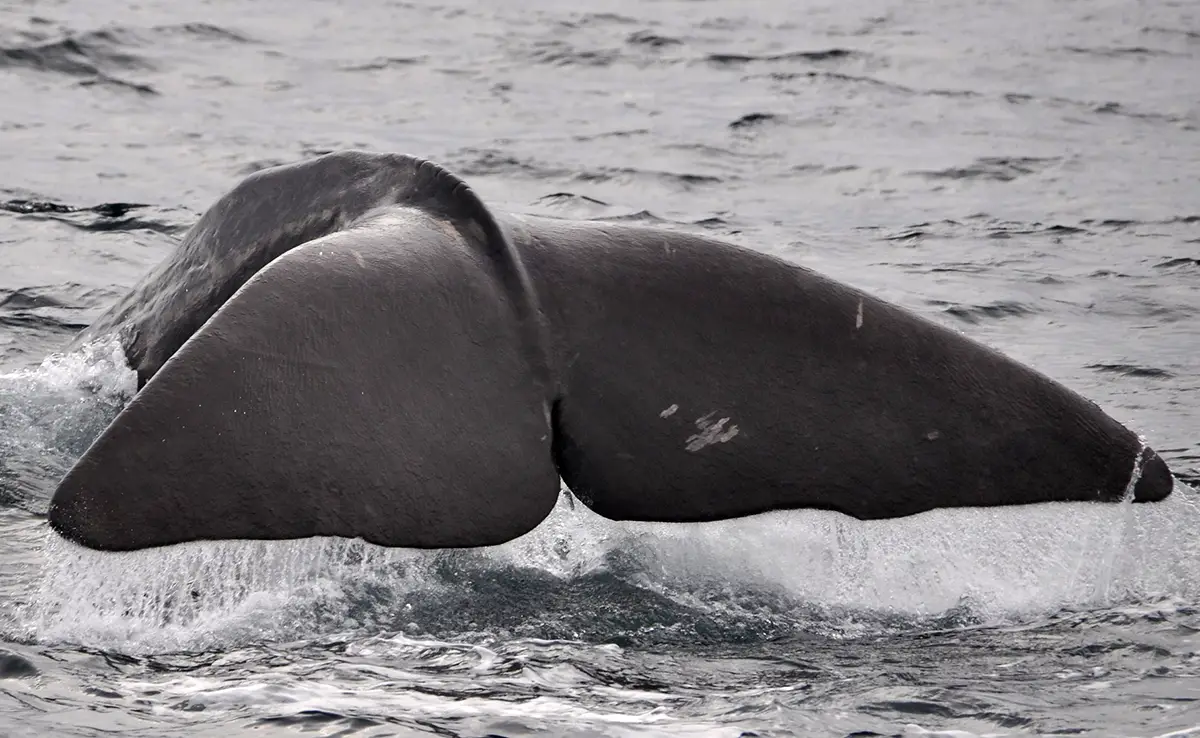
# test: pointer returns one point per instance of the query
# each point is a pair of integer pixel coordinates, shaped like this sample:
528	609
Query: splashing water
49	416
787	571
823	572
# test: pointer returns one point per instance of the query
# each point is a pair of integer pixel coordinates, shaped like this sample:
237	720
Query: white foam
97	368
1001	563
49	415
283	693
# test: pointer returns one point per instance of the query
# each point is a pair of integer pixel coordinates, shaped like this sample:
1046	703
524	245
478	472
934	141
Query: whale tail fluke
355	346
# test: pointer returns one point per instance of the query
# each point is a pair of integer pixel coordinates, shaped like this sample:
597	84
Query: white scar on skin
669	411
710	432
858	318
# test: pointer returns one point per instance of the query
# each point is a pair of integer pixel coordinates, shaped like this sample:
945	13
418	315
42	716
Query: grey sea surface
1025	171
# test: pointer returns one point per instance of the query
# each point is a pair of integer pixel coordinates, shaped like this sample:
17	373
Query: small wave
991	311
101	57
417	687
823	170
44	309
97	56
1092	107
102	218
712	222
33	207
571	204
629	133
104	80
27	298
599	19
1006	230
481	162
15	666
41	323
203	31
1142	306
390	62
721	156
858	79
979	223
317	720
998	169
685	181
67	296
561	53
754	120
1184	32
1117	52
1116	108
651	40
947	709
962	268
1187	262
909	234
1111	222
641	216
1132	370
819	55
571	197
83	54
1058	229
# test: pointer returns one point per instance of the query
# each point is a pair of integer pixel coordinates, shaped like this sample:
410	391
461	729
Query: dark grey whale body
357	346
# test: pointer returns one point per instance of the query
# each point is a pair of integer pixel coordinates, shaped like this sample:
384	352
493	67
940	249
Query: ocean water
1026	172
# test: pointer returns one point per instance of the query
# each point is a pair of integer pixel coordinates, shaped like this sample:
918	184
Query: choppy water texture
1025	171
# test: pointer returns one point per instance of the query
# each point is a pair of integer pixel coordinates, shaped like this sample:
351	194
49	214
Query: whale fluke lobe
700	381
357	346
336	394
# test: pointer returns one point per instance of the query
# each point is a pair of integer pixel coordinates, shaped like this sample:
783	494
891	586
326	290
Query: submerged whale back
356	346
